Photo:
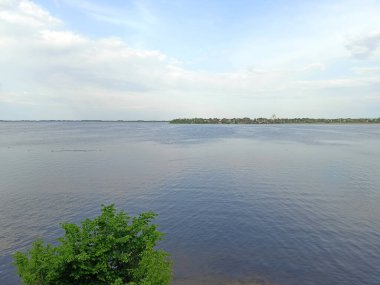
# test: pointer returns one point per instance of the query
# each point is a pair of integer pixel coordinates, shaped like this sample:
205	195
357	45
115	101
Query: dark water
291	204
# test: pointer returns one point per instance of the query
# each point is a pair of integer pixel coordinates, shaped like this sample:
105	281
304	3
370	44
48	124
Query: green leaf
112	248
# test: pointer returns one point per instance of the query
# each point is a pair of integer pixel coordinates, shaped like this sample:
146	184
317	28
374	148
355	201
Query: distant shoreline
215	121
274	120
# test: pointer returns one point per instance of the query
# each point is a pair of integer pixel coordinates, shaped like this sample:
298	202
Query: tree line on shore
275	120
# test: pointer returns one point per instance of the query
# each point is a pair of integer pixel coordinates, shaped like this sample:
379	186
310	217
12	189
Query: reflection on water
292	204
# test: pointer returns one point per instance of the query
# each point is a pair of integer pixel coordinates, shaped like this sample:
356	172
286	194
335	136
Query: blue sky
161	59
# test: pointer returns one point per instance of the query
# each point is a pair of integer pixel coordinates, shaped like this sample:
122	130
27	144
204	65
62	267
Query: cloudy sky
162	59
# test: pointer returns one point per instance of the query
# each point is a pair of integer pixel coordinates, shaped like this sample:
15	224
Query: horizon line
219	118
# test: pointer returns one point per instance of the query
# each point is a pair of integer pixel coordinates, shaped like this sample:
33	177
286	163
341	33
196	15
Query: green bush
113	248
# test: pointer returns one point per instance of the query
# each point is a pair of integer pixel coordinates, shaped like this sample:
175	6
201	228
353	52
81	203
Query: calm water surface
291	204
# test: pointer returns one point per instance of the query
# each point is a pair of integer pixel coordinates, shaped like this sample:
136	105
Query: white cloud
366	70
25	13
364	46
61	39
338	83
69	74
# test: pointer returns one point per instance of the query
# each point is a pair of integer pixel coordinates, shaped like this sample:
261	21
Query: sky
165	59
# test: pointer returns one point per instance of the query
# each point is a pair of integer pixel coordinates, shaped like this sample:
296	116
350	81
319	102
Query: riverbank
275	120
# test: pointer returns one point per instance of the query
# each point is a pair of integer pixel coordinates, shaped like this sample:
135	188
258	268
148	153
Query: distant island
275	120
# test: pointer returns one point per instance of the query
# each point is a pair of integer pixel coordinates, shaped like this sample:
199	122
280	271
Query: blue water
283	204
